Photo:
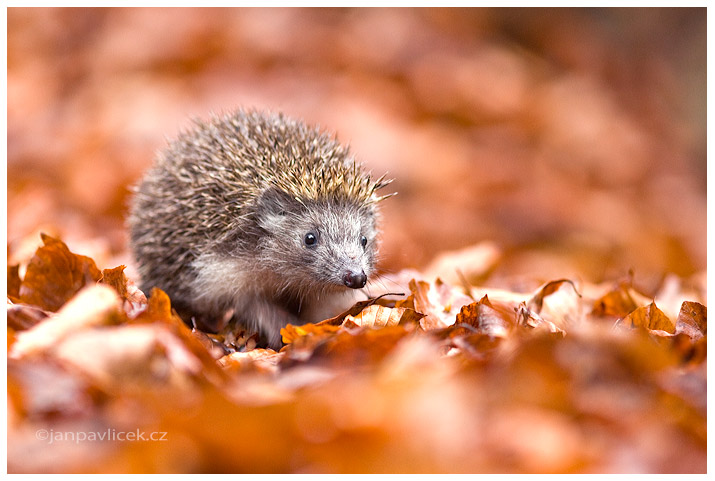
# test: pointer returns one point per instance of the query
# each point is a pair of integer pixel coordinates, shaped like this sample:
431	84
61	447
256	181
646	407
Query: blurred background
574	139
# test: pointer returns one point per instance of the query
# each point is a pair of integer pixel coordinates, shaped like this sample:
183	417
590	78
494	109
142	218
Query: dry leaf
354	310
290	333
93	306
22	316
258	360
357	346
55	274
215	347
690	351
537	300
526	317
649	317
117	279
692	320
159	311
619	302
130	357
13	282
421	300
557	303
379	316
134	298
486	318
43	387
440	302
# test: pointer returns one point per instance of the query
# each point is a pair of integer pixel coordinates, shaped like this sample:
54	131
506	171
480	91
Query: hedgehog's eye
310	239
363	241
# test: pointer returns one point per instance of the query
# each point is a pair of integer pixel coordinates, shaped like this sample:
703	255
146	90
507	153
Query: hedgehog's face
320	245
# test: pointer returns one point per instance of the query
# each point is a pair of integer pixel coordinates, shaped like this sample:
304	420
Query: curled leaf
354	310
380	316
537	300
526	317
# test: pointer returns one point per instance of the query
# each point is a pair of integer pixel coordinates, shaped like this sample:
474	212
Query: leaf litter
571	377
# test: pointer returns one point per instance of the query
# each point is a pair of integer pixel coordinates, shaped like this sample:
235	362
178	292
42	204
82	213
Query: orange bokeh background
575	139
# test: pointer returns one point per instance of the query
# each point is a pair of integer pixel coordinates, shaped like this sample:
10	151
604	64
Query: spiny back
246	152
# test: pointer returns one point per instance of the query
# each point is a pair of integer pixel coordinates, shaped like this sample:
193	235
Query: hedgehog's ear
273	206
274	201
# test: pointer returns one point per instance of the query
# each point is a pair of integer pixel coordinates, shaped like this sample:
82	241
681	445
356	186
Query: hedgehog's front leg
267	318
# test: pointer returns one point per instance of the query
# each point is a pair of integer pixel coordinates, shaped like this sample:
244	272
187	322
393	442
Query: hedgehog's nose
354	279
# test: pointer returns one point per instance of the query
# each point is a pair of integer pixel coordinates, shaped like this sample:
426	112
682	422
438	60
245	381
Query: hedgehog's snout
355	279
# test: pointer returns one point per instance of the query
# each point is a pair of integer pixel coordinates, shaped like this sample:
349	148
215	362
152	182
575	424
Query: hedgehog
255	219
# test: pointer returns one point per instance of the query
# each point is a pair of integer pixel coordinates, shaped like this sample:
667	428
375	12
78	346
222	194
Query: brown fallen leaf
649	317
486	318
355	310
44	387
537	300
255	360
439	301
475	346
21	317
618	302
117	279
692	320
131	357
380	316
358	346
690	351
527	317
421	303
13	282
159	311
233	337
134	298
558	303
93	306
54	275
216	348
291	332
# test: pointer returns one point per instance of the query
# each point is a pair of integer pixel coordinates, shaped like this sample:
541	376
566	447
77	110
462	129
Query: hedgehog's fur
220	222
